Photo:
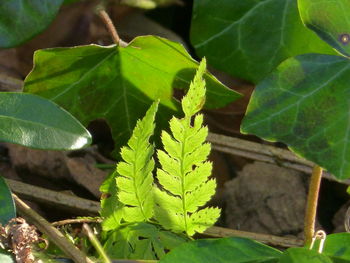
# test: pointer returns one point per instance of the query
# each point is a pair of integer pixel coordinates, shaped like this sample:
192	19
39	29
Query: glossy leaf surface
330	20
7	206
248	39
35	122
119	84
222	250
305	103
20	20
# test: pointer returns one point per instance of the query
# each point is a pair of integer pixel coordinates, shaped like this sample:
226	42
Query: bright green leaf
303	255
185	154
35	122
111	208
20	20
7	206
134	175
248	39
305	104
330	20
119	84
337	247
223	250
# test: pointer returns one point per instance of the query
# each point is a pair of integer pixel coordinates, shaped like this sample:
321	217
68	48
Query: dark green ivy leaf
248	39
305	103
20	20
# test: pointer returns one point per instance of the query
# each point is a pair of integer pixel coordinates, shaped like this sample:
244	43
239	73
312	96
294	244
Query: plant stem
56	236
111	28
97	245
311	205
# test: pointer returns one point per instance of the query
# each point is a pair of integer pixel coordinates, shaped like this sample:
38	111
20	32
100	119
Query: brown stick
264	153
111	28
76	221
264	238
75	204
311	205
56	236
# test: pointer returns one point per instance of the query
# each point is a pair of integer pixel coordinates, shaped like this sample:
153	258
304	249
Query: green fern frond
134	174
185	170
111	207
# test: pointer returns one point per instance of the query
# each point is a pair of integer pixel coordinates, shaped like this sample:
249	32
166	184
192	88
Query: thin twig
213	231
311	205
8	83
56	236
111	28
97	245
76	221
264	238
72	203
264	153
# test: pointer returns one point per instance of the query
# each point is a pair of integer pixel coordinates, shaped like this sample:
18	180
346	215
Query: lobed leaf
305	104
119	84
248	39
185	155
134	175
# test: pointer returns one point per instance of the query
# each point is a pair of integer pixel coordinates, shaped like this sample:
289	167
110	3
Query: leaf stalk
311	205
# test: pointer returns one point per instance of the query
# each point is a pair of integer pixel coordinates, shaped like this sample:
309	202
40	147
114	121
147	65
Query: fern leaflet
184	168
134	174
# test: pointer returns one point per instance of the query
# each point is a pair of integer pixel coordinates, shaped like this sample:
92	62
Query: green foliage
243	250
184	170
134	174
141	241
7	206
222	250
183	177
303	103
119	84
20	20
303	255
329	20
248	39
35	122
337	247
